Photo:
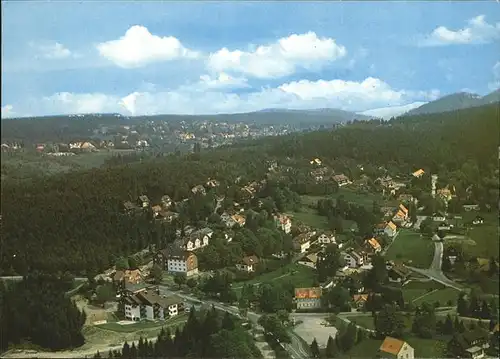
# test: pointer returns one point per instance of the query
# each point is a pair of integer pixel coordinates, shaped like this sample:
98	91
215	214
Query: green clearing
23	165
309	217
365	321
484	235
143	325
361	198
415	289
410	248
299	275
442	296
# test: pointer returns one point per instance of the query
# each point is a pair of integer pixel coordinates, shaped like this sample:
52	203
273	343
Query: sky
144	58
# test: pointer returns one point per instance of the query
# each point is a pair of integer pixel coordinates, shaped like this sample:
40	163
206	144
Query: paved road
434	271
19	277
420	219
295	348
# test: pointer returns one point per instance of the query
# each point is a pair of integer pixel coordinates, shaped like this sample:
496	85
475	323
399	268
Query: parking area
314	326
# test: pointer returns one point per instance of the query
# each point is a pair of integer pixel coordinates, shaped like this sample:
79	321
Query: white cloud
351	94
7	111
495	84
478	31
393	111
222	80
279	59
52	51
138	47
71	103
371	93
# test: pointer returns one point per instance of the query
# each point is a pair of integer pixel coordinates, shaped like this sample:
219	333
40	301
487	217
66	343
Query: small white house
326	238
439	217
248	264
353	259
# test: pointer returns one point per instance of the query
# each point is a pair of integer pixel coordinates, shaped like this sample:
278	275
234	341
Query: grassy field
361	198
24	165
442	296
309	217
144	325
485	236
302	277
415	289
410	248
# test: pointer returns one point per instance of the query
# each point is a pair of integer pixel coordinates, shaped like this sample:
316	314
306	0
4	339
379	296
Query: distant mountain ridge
456	101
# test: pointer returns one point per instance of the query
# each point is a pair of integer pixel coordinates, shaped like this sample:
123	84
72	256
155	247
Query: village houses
283	222
149	305
308	298
231	220
418	173
401	215
302	242
326	238
248	264
311	260
342	180
353	259
178	260
373	245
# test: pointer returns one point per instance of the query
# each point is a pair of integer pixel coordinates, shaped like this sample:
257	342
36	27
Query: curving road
295	348
434	272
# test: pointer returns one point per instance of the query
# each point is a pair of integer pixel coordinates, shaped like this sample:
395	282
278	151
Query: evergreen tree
448	327
485	310
474	306
462	305
349	337
315	349
332	350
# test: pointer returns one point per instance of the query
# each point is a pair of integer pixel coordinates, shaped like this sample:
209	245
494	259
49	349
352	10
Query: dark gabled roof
475	334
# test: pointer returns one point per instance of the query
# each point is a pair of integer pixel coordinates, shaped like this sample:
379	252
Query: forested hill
68	128
433	141
75	222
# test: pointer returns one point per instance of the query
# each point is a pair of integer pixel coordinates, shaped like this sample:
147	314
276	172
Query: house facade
326	238
373	245
149	305
308	298
197	239
353	259
248	264
396	348
302	242
178	260
283	222
390	229
342	180
309	261
143	201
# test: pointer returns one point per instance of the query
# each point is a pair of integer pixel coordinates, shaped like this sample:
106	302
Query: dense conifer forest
75	222
37	311
206	334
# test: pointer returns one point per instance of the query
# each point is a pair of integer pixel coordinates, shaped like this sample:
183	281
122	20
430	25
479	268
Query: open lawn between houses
484	236
144	325
443	296
412	249
416	289
299	275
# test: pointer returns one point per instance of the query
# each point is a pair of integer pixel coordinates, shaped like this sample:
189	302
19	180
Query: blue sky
223	57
